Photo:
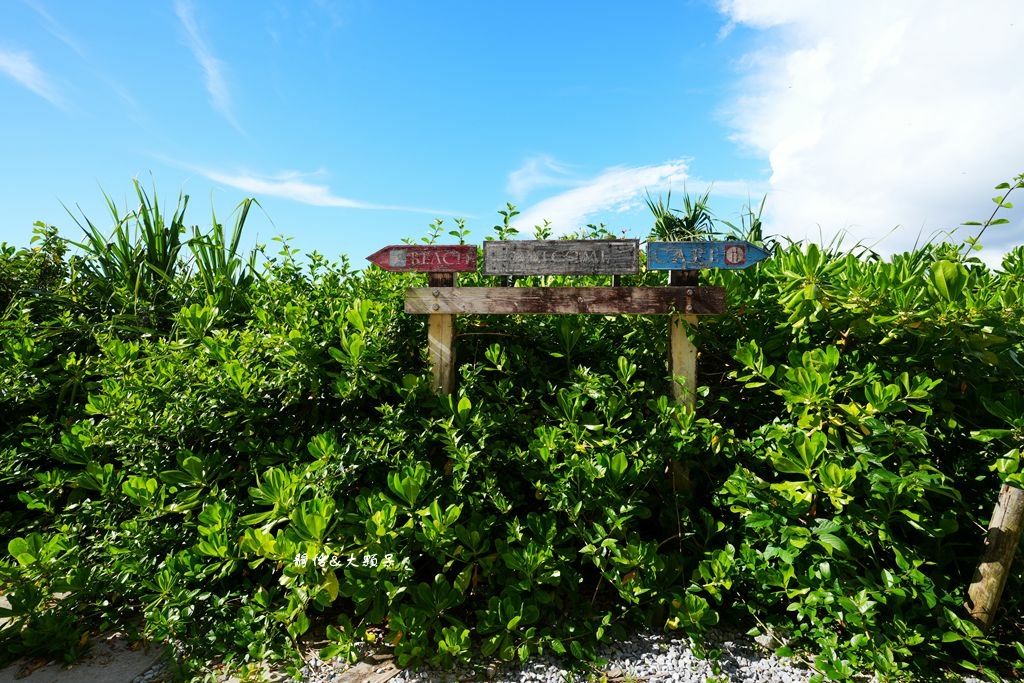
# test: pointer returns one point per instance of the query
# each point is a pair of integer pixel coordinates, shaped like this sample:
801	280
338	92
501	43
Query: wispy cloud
295	186
213	68
541	170
20	67
869	120
614	190
58	31
55	28
332	11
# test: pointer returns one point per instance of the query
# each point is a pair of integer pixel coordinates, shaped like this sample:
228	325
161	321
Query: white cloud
292	185
58	31
615	189
876	114
539	171
213	68
55	28
20	67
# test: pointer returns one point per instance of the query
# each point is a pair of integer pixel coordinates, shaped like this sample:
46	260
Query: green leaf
311	518
22	551
36	548
948	279
331	584
860	640
334	650
409	483
618	465
463	409
299	626
462	581
832	542
625	370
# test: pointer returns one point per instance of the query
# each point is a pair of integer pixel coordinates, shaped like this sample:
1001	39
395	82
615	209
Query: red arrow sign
426	258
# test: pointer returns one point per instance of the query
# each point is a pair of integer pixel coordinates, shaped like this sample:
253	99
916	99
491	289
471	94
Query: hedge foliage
230	452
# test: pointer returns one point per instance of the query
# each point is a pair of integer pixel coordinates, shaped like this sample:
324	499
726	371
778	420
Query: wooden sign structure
442	300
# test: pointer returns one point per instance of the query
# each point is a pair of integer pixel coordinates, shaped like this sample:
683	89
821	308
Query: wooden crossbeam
554	300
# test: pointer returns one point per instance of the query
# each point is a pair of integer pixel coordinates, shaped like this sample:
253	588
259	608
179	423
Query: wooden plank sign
702	255
426	258
561	257
555	300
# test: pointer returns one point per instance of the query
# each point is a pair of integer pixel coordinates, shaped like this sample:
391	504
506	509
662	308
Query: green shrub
263	457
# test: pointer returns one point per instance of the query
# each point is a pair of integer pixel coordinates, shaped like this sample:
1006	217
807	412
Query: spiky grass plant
138	269
134	266
694	221
223	275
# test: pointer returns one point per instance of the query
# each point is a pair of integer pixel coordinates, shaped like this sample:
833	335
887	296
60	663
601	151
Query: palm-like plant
138	268
694	221
135	265
750	227
222	274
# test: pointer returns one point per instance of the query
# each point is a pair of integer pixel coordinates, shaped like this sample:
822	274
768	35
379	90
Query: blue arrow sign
702	255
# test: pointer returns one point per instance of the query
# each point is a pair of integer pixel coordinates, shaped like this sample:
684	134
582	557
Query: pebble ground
643	658
648	657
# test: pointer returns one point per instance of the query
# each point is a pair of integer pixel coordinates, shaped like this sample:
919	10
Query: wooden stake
1000	546
682	354
682	360
441	340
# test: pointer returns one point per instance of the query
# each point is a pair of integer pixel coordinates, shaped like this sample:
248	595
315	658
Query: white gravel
644	657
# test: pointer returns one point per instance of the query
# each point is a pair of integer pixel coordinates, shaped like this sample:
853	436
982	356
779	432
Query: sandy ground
110	659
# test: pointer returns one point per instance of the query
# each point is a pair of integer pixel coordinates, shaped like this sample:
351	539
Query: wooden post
682	360
994	567
682	352
441	339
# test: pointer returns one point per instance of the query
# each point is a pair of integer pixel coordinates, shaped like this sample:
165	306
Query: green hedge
235	455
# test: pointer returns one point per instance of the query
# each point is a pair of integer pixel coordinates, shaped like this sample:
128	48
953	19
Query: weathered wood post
441	338
682	351
1004	532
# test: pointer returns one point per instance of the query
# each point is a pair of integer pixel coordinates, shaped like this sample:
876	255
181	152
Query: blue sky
355	123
